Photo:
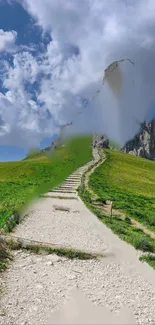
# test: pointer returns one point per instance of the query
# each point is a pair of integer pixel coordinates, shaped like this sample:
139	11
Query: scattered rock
71	277
34	308
53	258
100	141
94	199
39	286
108	202
50	263
2	312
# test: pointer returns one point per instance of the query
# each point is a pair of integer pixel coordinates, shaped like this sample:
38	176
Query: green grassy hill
129	182
21	180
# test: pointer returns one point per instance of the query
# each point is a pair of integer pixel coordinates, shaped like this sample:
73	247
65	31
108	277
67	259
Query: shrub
150	259
119	228
12	221
138	230
128	220
4	255
151	220
144	244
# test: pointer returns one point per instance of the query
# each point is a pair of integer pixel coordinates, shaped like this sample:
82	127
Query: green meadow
20	181
129	182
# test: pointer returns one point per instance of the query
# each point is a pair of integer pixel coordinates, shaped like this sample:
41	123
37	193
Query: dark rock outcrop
50	148
100	141
143	144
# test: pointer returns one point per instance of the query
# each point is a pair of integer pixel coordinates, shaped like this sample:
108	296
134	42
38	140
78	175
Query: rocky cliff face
36	152
100	141
50	148
143	144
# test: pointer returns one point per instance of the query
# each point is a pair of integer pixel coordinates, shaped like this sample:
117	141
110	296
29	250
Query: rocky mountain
143	144
36	152
48	148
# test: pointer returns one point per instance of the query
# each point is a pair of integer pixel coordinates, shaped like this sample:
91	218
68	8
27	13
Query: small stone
44	274
38	259
136	313
93	199
71	277
35	308
16	253
2	312
17	303
108	202
54	258
49	263
39	286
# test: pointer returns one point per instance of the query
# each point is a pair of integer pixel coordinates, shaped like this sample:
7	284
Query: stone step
73	181
67	188
68	185
77	180
71	184
77	175
73	177
63	191
60	195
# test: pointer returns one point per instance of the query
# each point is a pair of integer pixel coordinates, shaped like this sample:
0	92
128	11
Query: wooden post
111	209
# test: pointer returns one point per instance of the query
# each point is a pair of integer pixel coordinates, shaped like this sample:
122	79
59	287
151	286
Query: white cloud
23	122
25	69
102	33
86	37
7	40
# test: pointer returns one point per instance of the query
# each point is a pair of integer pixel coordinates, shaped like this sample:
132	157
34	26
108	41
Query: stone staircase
68	189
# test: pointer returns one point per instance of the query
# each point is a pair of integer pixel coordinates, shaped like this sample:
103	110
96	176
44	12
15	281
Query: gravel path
37	285
72	228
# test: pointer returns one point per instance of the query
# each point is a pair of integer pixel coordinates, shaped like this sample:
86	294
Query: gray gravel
38	285
74	228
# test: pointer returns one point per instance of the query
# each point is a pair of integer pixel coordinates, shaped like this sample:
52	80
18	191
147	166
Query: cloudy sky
52	58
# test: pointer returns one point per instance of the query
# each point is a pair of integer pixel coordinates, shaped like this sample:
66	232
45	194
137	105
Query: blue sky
53	54
14	17
9	153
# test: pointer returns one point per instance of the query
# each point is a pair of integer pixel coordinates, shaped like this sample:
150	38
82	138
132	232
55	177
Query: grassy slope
129	182
20	181
148	259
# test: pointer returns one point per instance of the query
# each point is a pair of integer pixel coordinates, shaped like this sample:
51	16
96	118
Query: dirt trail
35	286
